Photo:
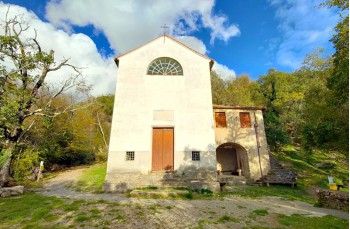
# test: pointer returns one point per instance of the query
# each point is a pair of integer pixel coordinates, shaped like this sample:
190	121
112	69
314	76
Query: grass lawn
299	221
35	211
285	192
314	168
92	179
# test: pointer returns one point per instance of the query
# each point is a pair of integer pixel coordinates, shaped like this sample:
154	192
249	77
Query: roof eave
262	108
211	61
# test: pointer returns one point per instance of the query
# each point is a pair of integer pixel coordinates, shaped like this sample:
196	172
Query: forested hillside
308	107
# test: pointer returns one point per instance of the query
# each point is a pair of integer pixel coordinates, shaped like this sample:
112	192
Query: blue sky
249	36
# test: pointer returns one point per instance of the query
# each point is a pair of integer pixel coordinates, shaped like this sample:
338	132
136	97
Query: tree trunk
5	169
101	130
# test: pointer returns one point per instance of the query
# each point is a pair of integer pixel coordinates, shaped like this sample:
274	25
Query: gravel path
189	210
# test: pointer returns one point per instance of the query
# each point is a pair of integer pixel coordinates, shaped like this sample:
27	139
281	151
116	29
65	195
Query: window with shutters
245	119
220	119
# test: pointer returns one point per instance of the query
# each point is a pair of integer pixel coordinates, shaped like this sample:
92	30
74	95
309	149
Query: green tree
241	91
338	82
22	85
218	89
74	138
272	88
324	122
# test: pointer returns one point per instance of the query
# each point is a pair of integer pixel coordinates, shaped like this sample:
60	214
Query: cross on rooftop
165	27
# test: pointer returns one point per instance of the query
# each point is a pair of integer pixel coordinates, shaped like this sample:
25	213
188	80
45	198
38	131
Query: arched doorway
232	159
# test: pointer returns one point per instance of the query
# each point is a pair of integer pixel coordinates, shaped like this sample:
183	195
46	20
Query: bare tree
24	67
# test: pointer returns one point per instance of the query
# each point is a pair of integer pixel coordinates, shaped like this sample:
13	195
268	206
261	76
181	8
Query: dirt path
189	210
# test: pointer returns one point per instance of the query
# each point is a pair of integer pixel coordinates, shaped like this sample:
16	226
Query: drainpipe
257	142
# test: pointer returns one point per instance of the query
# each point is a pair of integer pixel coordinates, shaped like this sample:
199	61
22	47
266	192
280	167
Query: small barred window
196	156
130	155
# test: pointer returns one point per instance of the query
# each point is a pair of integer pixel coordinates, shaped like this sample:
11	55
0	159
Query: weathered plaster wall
226	159
246	138
143	101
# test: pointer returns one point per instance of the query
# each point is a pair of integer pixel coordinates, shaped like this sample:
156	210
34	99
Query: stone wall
11	191
333	199
197	179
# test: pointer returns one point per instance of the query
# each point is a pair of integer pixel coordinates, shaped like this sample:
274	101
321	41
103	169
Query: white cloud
98	71
127	24
142	25
304	26
217	24
194	43
224	72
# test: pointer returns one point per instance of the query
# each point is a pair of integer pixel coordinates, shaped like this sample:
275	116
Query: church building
165	128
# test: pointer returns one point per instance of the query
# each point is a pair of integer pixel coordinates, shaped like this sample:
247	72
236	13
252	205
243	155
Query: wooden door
163	149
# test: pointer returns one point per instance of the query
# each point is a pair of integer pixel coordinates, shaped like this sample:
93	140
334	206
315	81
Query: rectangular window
244	117
196	156
220	119
130	155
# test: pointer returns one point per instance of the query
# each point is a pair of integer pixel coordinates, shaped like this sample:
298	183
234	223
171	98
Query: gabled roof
211	61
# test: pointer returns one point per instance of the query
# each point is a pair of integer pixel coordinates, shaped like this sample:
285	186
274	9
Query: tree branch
101	130
40	112
36	42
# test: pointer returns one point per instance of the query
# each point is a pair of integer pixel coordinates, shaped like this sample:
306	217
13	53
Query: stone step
158	192
277	174
232	180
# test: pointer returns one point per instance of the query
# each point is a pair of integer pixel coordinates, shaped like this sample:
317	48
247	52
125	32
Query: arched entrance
232	159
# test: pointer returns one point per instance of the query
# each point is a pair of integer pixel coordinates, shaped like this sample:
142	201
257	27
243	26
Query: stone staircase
122	182
278	175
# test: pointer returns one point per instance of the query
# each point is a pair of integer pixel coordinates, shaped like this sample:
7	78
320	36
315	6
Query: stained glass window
164	66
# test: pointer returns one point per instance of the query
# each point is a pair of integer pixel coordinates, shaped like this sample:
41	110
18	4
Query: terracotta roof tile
239	107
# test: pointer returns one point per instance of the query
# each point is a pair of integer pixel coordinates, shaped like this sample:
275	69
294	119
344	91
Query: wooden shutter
245	119
220	119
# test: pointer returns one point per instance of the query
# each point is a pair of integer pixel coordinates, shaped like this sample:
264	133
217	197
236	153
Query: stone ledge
158	193
119	187
333	199
11	191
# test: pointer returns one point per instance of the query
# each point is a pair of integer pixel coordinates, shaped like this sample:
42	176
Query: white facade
143	102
